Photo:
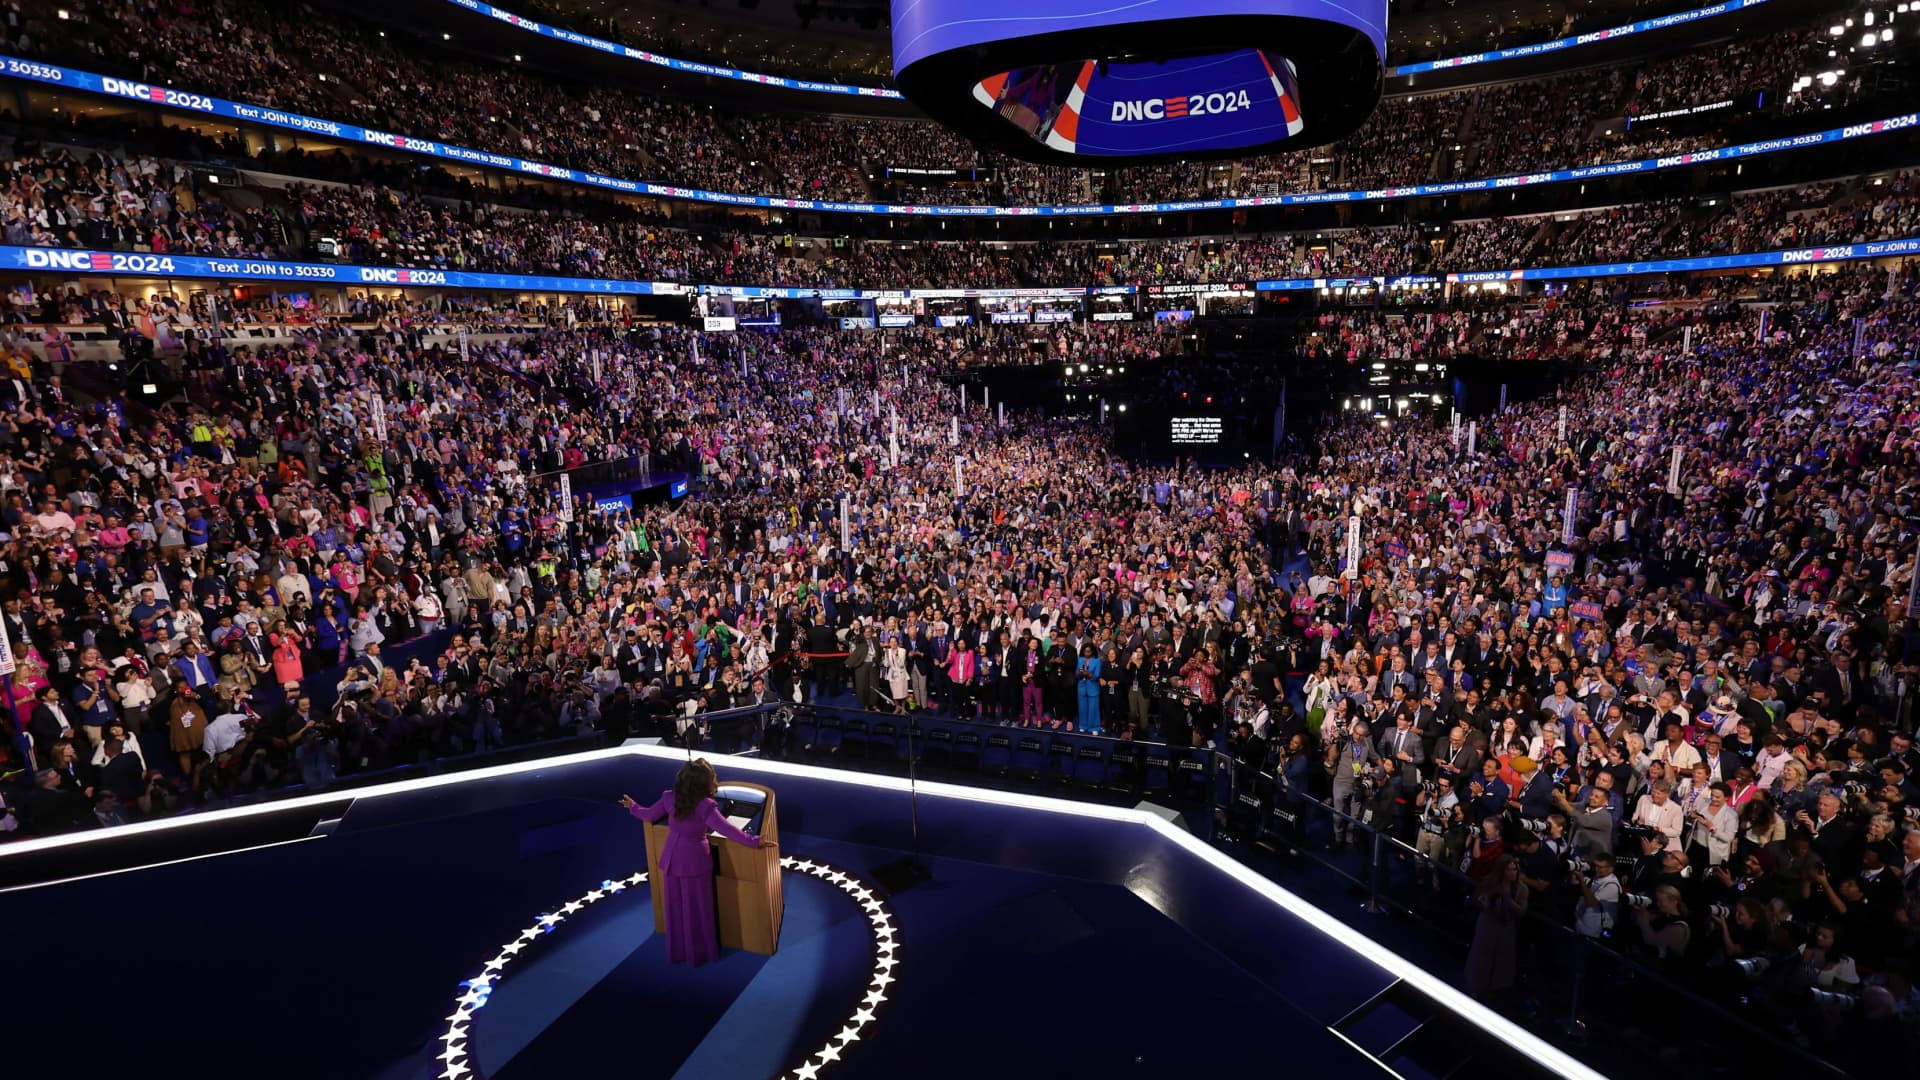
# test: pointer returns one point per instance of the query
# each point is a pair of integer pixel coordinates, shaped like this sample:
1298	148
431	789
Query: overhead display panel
1074	81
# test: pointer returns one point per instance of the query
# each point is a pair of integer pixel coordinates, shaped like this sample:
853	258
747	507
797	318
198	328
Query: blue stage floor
999	973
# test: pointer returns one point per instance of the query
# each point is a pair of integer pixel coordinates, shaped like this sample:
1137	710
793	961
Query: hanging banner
466	354
1673	473
1913	602
1572	510
1473	437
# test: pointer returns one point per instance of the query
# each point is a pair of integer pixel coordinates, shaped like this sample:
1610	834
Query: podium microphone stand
910	869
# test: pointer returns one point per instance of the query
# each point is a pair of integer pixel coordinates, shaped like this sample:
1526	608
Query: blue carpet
602	993
1001	973
535	995
640	1021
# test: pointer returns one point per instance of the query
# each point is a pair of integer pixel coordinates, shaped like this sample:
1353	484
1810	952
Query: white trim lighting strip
1451	997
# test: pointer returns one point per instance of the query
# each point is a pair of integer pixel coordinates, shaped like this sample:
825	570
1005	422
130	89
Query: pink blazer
687	853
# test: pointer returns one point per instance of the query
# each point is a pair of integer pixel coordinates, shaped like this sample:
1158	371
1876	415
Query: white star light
879	919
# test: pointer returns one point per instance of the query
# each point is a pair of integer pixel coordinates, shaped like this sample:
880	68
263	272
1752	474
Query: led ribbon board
266	116
1079	81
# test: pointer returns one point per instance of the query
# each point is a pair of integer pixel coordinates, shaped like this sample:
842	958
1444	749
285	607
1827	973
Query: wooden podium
746	883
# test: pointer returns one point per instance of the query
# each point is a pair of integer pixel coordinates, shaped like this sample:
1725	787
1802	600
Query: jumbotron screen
1196	430
1192	105
1063	81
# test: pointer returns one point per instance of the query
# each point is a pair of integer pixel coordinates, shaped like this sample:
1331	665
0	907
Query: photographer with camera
1598	906
315	743
1390	806
1660	916
1352	762
1591	819
1443	824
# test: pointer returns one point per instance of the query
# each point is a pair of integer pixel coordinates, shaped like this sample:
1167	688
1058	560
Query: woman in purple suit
687	862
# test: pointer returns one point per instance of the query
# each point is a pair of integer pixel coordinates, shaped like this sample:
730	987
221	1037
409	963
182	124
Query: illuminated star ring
457	1065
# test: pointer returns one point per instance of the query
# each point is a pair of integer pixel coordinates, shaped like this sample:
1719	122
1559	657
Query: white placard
1913	604
1353	546
566	498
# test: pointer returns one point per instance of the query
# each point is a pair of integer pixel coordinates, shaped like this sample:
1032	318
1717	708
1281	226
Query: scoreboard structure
1108	82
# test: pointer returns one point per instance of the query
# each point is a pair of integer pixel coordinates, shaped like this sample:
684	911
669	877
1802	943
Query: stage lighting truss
456	1064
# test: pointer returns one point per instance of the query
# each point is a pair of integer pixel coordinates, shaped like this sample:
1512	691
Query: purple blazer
687	853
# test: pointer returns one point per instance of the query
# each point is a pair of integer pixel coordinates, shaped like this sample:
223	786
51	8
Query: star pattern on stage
879	920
